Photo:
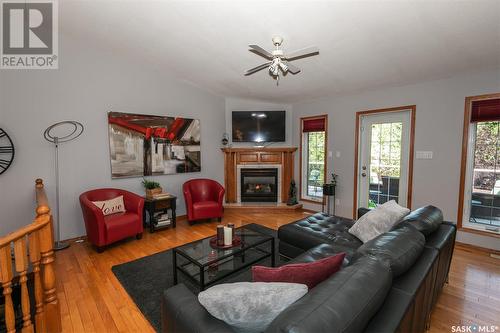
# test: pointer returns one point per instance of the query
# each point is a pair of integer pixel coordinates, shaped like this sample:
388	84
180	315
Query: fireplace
259	185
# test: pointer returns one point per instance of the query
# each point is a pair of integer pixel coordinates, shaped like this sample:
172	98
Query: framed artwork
145	145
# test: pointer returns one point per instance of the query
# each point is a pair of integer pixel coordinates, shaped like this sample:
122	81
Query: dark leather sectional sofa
389	284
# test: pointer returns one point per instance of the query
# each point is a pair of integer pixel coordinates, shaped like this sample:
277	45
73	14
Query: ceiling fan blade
305	52
261	51
258	68
292	69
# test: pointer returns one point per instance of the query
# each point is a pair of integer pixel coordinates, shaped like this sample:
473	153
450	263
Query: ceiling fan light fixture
274	69
283	67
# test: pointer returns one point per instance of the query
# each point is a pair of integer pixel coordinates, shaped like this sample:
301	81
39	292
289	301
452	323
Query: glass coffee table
205	264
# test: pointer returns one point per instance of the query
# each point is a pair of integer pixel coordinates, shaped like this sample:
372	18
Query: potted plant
151	187
329	188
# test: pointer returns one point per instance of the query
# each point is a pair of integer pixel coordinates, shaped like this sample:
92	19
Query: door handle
363	174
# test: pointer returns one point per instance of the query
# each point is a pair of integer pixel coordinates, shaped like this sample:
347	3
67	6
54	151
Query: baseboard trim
180	218
479	232
478	248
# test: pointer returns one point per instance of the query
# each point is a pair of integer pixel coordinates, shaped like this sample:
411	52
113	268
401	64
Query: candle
220	235
228	236
231	225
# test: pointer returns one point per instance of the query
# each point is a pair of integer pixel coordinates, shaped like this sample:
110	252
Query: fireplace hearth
259	185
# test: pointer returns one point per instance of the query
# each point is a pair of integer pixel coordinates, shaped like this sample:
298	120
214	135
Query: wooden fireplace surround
262	156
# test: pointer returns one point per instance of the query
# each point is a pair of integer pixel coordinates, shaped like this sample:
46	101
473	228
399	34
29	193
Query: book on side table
161	211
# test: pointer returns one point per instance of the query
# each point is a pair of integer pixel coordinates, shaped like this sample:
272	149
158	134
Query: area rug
146	279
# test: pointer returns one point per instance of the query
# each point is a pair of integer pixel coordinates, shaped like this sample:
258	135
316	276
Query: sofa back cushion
398	248
345	302
426	219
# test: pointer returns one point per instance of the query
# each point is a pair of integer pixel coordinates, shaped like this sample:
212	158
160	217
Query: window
313	161
480	199
385	162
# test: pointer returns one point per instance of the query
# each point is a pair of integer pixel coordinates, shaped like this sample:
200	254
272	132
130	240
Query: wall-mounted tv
259	126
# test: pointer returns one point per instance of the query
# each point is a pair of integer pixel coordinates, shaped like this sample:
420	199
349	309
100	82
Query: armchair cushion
120	225
205	207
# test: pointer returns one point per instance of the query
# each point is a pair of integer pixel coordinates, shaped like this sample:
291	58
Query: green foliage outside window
487	155
386	149
315	160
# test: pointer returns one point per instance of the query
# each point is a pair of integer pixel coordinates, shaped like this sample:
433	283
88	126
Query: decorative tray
236	242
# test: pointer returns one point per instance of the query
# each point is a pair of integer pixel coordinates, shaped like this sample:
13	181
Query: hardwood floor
92	299
472	295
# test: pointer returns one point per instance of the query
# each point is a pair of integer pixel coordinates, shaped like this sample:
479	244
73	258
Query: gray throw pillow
378	221
250	306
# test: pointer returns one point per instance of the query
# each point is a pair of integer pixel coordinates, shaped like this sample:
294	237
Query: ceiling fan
279	60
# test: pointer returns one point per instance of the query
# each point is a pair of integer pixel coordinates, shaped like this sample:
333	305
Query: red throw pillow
310	273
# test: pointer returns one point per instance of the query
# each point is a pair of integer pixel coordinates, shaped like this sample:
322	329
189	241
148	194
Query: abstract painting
146	145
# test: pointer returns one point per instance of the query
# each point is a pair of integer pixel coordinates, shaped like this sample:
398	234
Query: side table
152	206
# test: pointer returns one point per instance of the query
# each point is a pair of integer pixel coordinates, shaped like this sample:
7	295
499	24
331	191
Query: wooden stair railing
31	244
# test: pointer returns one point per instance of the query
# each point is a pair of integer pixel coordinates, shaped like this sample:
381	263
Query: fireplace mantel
234	157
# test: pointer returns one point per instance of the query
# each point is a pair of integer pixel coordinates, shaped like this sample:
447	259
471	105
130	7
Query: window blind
314	125
485	110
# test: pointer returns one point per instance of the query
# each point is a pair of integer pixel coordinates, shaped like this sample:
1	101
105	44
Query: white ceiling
363	44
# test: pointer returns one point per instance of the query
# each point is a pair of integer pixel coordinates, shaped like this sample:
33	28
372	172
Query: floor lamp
50	134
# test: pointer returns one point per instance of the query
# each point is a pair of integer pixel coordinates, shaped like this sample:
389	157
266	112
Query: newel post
46	239
52	308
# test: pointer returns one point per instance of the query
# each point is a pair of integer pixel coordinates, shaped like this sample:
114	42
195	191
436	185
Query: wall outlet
337	201
330	154
337	153
424	155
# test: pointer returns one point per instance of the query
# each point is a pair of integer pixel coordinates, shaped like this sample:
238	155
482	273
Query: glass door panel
384	158
385	162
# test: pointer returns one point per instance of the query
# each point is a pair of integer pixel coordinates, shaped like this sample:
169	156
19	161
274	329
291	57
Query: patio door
384	157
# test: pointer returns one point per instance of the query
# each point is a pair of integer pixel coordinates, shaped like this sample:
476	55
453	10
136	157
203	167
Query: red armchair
203	199
103	230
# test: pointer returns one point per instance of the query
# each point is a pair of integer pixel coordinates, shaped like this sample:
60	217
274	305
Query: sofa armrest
182	313
454	225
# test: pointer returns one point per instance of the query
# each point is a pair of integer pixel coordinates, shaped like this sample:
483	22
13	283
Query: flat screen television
259	126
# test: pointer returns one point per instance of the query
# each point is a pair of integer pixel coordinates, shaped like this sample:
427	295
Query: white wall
90	82
439	124
240	104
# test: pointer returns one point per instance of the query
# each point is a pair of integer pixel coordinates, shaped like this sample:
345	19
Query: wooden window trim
359	114
463	164
325	117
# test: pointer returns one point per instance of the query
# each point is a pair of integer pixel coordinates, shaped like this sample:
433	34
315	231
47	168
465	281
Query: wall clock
6	151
